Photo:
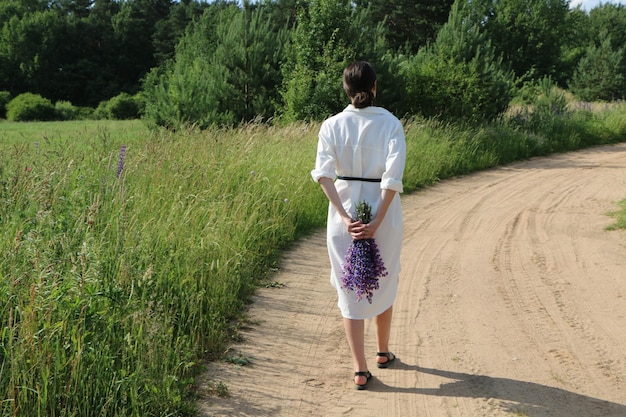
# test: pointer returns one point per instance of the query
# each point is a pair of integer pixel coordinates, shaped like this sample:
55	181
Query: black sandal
367	375
390	358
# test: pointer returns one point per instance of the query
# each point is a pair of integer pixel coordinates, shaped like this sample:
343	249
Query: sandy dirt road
512	302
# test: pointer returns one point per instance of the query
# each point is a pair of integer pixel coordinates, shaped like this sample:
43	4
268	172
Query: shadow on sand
515	396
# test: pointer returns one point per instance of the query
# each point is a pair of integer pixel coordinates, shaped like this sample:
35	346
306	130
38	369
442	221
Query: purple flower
363	264
120	160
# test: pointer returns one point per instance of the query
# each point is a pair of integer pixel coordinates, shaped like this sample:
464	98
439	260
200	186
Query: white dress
363	143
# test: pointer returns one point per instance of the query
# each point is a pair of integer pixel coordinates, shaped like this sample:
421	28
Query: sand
512	302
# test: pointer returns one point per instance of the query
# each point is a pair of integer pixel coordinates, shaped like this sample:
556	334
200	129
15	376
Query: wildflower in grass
363	265
120	160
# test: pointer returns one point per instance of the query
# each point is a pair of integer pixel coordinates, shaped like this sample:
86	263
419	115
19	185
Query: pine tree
459	76
598	75
328	35
226	71
408	24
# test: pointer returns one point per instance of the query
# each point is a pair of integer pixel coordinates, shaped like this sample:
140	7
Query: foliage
392	85
65	110
226	71
548	114
28	48
600	73
408	24
5	97
123	107
458	77
608	20
85	51
328	35
528	34
284	57
28	107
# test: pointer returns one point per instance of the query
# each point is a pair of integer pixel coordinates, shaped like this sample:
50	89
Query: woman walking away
360	158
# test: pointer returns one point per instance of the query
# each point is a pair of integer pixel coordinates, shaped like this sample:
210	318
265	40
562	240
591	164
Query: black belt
341	177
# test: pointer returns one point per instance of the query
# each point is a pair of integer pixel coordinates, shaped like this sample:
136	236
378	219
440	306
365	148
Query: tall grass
115	288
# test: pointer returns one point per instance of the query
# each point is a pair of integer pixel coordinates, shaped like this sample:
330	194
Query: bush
102	111
28	107
5	97
121	107
66	110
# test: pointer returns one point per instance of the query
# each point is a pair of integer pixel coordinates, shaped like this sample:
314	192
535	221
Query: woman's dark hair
358	81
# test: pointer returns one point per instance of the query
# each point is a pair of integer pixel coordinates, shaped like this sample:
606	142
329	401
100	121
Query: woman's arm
328	185
386	197
355	229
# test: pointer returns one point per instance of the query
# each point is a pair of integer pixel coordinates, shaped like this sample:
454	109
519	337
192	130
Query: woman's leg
383	331
355	332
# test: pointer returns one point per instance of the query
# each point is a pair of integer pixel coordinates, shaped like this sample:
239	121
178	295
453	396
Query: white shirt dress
363	143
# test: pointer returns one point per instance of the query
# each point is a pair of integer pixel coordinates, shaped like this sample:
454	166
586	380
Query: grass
80	131
620	217
115	289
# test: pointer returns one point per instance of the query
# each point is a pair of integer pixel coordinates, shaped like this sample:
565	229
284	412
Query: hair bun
359	79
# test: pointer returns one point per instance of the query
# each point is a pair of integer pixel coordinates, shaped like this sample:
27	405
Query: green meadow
128	255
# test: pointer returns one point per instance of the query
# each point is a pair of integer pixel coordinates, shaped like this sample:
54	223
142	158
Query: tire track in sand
512	301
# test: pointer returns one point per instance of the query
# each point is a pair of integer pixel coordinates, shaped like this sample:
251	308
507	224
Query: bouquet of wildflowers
363	264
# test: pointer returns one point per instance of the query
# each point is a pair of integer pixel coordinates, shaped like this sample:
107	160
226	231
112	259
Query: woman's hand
359	230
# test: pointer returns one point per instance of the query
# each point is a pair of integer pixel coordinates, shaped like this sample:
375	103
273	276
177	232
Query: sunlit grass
78	130
619	216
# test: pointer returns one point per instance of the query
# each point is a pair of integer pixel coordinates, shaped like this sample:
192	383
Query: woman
364	148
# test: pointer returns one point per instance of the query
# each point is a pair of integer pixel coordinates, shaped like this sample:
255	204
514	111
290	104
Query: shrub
140	100
66	110
28	107
123	107
102	111
5	97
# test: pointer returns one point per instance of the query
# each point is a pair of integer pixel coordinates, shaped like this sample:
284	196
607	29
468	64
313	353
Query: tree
226	71
610	19
576	38
133	28
29	47
76	8
408	24
599	75
528	34
459	76
168	31
328	35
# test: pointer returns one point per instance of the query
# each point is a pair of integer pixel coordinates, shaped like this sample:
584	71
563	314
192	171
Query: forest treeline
224	62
